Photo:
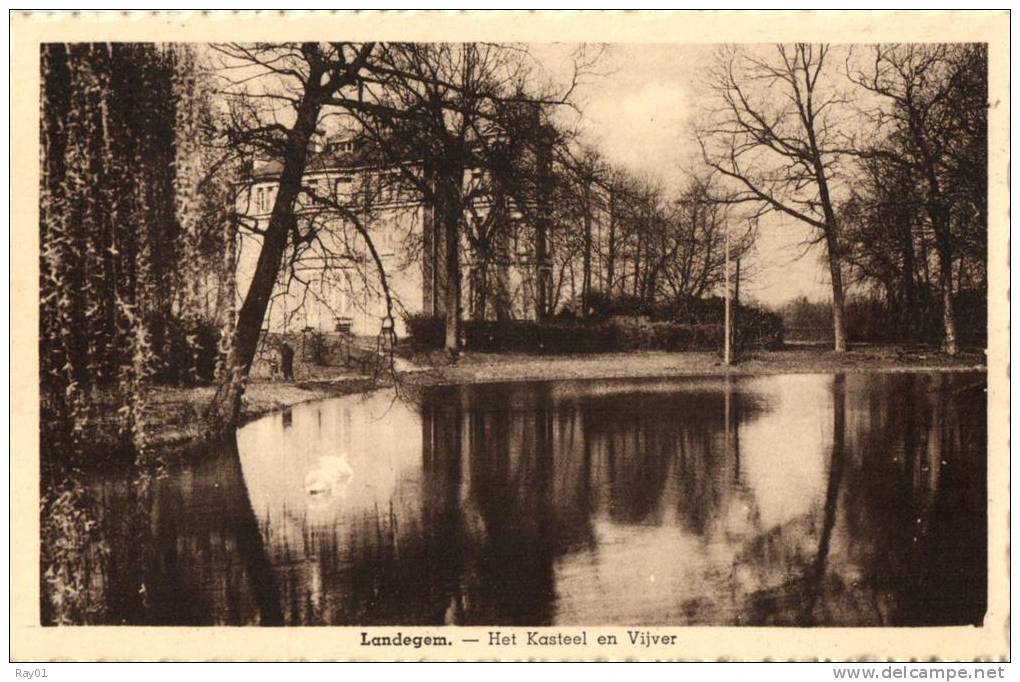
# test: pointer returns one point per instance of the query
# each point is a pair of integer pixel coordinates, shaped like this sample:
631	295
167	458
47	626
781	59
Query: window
345	189
263	198
313	185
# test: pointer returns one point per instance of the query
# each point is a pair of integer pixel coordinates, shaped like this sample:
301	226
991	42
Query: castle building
332	282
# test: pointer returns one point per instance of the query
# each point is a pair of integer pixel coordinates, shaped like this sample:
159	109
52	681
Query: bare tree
442	112
774	134
589	170
884	241
693	247
295	81
623	193
933	122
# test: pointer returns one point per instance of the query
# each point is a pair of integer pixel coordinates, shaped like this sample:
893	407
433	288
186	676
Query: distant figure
287	361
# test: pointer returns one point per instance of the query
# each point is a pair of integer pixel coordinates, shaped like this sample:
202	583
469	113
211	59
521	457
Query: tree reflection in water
903	526
182	547
794	500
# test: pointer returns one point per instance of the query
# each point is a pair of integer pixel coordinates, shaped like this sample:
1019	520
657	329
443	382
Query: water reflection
787	500
183	548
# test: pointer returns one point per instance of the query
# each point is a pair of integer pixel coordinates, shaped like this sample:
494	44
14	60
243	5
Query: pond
800	500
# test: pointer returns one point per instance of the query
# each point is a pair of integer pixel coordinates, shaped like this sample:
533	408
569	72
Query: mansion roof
320	161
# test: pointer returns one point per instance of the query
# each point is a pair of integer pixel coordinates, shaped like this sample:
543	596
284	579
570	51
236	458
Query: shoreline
176	411
493	367
180	424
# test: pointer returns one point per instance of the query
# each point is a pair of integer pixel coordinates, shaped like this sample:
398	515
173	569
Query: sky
638	107
639	111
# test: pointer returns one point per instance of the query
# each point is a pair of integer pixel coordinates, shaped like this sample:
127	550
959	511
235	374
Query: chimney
315	143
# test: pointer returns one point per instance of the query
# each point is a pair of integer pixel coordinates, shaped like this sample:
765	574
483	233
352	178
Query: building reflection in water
785	500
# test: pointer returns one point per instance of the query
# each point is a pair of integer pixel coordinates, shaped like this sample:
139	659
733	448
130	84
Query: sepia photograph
570	343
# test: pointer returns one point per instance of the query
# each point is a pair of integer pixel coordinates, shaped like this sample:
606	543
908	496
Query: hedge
600	336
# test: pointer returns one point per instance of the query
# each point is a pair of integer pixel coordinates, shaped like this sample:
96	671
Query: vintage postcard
510	335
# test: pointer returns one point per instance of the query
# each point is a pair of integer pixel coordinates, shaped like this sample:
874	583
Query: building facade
332	281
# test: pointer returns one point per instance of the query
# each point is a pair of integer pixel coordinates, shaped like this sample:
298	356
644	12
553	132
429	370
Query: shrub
545	337
186	351
600	336
972	317
317	349
681	337
873	319
603	305
757	328
426	331
701	310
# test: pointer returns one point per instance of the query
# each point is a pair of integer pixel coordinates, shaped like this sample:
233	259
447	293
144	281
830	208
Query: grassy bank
482	367
175	413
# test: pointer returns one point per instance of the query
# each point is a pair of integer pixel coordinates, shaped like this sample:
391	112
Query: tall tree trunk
944	251
938	212
225	412
611	246
451	257
838	298
831	230
543	255
908	285
543	269
479	287
432	249
502	302
586	274
736	287
637	267
950	343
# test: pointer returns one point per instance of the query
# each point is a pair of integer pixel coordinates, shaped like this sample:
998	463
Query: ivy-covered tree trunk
117	243
109	232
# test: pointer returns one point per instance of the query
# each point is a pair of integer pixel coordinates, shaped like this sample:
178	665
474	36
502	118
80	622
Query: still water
779	500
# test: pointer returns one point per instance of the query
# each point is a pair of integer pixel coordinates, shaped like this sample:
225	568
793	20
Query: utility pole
736	287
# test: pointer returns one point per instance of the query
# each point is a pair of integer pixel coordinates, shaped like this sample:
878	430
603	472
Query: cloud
643	127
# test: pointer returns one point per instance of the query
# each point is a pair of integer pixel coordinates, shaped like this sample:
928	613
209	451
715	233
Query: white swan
327	474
